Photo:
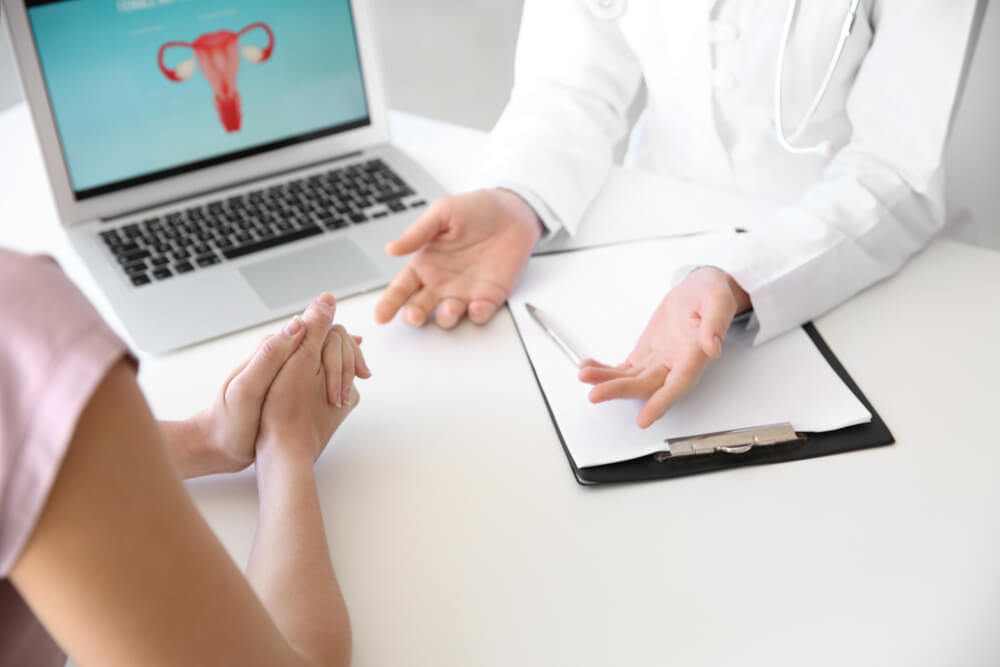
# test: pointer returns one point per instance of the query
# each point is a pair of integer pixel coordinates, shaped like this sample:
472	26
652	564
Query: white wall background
453	60
974	153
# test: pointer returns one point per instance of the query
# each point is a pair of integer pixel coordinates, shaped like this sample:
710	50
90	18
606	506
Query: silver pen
573	355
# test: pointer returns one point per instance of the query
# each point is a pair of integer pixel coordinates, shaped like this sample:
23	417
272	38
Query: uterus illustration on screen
218	56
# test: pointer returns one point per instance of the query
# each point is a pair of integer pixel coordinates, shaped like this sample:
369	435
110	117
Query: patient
107	556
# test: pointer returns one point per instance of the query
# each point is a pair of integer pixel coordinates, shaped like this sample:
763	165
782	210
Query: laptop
216	163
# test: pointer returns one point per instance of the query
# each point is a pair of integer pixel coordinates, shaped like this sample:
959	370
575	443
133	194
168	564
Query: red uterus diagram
218	55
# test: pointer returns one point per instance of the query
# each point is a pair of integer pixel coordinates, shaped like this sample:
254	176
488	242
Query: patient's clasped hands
295	389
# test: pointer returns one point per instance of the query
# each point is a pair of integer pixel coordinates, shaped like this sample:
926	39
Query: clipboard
775	443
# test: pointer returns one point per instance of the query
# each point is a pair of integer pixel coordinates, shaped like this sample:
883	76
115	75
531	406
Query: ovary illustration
218	55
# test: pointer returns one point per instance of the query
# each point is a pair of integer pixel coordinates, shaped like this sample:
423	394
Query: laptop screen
145	89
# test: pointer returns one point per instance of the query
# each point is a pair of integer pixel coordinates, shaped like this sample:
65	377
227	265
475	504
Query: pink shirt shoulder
54	352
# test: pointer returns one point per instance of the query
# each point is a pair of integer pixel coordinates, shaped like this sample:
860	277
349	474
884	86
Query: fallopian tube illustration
218	55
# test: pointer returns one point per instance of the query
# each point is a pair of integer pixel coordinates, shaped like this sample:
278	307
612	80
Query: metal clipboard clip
738	441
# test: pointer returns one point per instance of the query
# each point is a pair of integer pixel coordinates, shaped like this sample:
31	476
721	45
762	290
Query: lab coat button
724	79
719	33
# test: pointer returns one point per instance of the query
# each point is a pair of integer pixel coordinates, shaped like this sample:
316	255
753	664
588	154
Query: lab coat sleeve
574	78
882	197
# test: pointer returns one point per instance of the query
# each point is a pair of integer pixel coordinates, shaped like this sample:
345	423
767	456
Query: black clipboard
863	436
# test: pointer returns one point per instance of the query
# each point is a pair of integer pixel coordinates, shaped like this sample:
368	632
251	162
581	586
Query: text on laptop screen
144	89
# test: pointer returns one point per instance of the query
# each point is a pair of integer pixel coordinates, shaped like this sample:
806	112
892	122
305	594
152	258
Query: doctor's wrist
521	211
740	295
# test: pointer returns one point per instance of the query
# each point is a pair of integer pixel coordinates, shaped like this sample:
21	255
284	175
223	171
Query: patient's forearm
290	565
190	451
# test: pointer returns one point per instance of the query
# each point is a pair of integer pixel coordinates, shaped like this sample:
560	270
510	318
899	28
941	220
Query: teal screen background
120	118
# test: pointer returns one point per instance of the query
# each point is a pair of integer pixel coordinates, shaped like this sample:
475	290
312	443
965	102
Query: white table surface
461	538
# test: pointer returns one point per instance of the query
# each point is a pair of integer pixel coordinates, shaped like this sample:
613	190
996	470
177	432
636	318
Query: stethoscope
823	148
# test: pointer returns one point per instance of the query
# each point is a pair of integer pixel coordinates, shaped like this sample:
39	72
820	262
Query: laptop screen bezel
202	180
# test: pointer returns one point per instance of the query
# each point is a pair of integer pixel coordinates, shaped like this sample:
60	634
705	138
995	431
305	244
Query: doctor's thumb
710	340
423	230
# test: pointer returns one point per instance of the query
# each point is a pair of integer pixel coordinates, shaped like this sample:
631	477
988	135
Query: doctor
838	109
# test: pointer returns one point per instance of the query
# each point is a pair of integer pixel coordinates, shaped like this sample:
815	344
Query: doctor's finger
420	307
482	310
641	386
449	312
403	286
595	374
423	230
597	364
716	316
677	383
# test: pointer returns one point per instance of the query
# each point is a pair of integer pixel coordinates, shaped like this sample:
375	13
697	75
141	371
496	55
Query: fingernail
293	327
346	396
326	298
352	397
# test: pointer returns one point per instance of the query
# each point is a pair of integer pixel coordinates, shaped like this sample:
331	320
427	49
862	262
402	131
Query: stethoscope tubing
824	148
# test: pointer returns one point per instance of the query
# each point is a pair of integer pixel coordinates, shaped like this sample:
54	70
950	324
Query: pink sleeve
55	351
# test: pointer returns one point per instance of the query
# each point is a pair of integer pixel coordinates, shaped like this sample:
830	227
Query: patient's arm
122	569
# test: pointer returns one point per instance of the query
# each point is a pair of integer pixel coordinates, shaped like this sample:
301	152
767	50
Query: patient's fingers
334	367
360	364
347	364
254	380
318	318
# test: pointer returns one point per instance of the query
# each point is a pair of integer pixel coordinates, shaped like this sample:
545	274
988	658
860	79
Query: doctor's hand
683	336
468	253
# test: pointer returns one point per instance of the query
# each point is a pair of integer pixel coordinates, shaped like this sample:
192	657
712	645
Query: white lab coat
844	221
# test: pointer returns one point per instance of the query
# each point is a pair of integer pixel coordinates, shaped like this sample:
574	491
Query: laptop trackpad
303	275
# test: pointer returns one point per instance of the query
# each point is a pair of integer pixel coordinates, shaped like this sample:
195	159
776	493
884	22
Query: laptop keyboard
202	236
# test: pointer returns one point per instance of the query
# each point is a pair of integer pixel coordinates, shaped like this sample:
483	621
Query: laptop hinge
308	165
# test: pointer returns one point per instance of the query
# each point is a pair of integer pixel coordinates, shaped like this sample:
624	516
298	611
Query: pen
573	355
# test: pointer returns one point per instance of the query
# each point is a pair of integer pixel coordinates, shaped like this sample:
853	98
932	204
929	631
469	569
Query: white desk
461	538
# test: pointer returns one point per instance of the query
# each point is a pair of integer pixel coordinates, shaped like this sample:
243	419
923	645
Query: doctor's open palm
683	336
468	253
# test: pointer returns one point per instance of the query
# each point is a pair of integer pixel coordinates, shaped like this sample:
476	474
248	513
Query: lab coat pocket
606	10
